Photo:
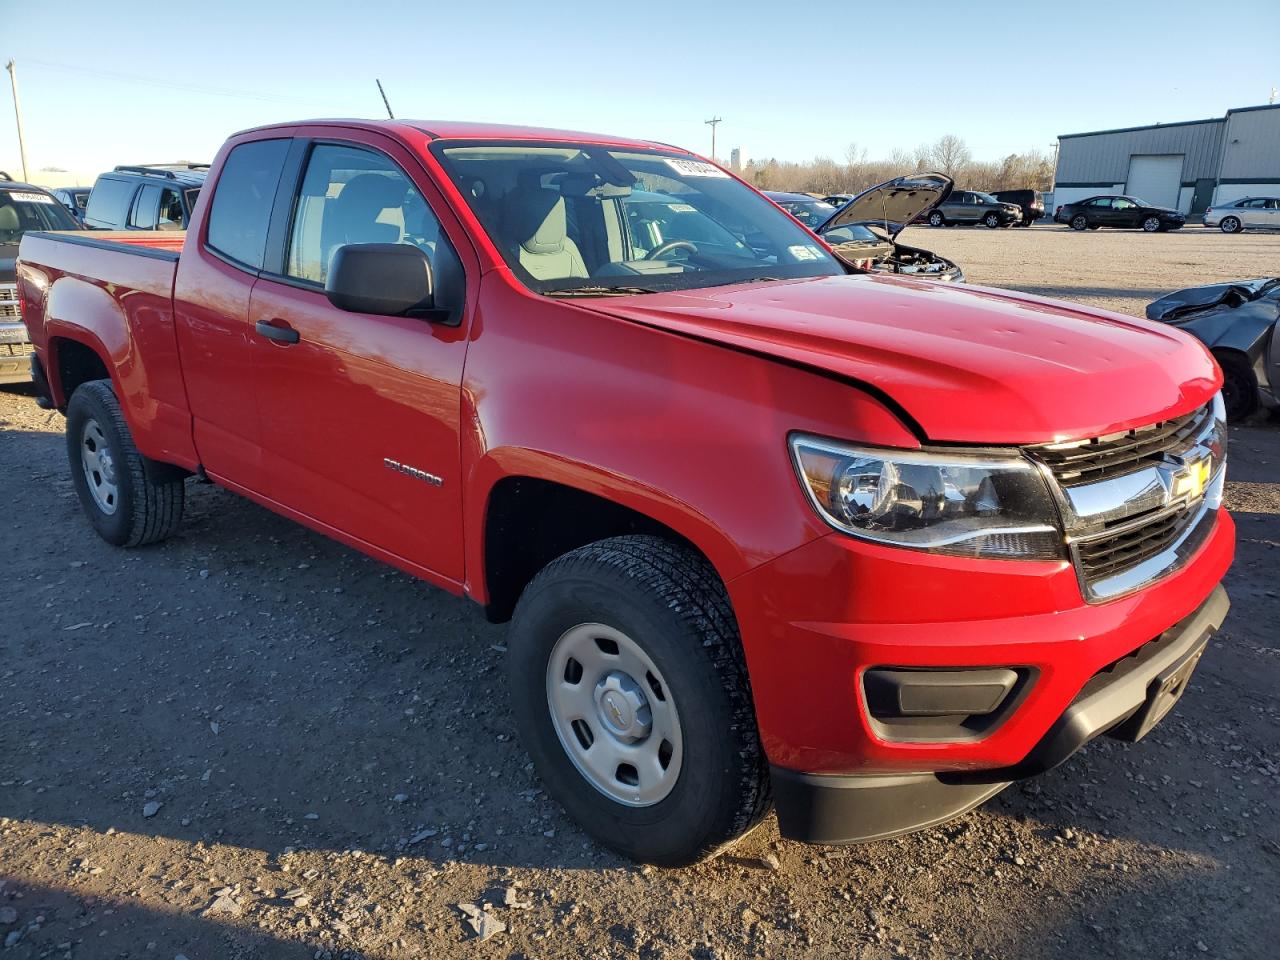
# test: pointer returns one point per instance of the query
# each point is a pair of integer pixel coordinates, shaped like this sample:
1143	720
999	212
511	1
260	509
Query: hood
1182	303
895	203
968	364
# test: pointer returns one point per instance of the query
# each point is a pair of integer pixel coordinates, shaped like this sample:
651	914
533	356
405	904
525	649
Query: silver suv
970	206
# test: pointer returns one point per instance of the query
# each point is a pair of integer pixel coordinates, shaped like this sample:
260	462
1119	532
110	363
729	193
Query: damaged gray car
1237	322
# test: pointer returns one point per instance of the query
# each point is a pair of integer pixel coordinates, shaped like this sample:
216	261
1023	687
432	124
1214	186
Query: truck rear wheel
130	500
631	695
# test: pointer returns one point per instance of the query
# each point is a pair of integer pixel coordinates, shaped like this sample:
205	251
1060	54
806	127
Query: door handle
280	332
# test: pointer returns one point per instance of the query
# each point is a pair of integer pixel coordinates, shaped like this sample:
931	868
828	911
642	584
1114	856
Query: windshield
985	197
23	210
812	213
578	218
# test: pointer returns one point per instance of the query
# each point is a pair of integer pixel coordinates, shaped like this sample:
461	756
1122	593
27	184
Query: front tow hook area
1125	700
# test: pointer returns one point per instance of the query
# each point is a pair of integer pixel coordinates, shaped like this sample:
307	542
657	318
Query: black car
75	199
145	198
23	207
1119	211
1030	201
1237	322
863	231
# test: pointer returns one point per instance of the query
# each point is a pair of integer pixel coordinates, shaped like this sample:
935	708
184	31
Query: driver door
360	413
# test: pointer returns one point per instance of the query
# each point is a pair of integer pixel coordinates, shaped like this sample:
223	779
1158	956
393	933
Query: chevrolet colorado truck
770	533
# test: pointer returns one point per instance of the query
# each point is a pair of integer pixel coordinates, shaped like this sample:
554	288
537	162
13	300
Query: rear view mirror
389	279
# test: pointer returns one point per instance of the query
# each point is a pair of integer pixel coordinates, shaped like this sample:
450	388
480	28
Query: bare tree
951	155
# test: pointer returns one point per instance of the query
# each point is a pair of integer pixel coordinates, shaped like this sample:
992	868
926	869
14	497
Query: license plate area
1165	690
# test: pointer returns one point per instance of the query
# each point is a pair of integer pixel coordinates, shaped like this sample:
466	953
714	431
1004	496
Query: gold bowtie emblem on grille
1191	480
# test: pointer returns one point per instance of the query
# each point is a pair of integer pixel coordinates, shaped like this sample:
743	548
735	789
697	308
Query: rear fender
143	369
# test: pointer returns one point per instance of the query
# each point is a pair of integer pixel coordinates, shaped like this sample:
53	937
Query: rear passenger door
211	310
360	413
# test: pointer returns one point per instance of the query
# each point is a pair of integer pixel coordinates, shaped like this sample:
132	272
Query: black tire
1230	225
1079	222
1152	225
1239	386
936	219
672	604
992	220
148	498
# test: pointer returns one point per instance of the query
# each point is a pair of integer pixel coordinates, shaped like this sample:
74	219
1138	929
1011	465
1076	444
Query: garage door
1155	179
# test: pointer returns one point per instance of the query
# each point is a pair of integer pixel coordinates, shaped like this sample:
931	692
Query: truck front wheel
630	692
129	500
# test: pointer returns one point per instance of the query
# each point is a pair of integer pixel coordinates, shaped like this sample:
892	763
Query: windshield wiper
599	291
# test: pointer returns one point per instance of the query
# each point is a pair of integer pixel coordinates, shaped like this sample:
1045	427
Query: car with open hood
1237	322
863	231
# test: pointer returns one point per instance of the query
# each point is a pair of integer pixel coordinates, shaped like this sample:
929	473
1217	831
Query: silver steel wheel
935	219
614	715
99	467
1229	225
1151	224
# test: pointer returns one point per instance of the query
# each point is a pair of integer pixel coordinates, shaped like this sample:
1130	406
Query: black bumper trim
814	808
817	808
44	396
1117	693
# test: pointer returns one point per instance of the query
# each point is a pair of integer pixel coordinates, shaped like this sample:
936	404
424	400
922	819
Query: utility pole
384	98
712	124
17	112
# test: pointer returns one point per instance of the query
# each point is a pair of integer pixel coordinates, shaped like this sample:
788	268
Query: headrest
372	192
9	218
537	220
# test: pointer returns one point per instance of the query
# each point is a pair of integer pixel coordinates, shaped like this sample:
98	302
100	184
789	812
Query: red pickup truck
770	533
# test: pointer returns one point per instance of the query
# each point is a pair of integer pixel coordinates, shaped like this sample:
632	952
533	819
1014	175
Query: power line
168	84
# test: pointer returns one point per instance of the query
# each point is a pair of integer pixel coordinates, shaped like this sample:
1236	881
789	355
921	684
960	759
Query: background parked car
971	206
22	208
75	199
1119	211
144	198
1237	322
810	211
1030	202
1254	213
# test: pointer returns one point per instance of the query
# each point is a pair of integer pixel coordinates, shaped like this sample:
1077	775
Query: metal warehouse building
1184	165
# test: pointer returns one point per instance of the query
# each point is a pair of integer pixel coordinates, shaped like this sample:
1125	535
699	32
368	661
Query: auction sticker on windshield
695	168
31	198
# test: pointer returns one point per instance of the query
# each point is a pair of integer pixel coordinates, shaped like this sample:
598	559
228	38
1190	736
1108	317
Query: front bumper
15	353
1125	699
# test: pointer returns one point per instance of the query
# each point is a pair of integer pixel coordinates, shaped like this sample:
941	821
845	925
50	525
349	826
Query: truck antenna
384	98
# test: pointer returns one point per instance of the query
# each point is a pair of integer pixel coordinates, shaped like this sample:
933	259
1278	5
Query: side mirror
389	279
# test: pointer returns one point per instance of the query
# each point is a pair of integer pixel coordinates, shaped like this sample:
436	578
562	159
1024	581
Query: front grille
1109	555
9	310
1079	462
1115	526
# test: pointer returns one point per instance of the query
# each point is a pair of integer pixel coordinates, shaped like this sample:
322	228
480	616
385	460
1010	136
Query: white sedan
1254	213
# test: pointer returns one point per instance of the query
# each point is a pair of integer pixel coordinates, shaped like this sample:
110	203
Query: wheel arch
526	519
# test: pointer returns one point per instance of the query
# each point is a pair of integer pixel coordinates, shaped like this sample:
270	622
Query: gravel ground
253	742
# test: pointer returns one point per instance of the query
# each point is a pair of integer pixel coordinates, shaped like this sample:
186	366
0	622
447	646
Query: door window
1120	203
1100	203
353	195
143	214
170	216
109	203
243	198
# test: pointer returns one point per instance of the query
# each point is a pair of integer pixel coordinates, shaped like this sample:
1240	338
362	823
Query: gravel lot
253	742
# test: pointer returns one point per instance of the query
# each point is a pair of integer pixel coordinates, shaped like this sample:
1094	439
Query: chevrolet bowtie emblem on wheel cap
414	472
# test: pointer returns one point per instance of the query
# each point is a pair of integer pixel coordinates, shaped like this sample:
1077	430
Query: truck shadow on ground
273	690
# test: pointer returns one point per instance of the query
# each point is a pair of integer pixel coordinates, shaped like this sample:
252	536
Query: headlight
960	504
1217	438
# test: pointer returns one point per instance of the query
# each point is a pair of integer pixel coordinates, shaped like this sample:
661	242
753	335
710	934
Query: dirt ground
252	742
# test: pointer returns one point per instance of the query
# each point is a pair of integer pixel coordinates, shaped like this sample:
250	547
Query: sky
105	83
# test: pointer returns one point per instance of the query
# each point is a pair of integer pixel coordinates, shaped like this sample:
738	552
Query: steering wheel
657	252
